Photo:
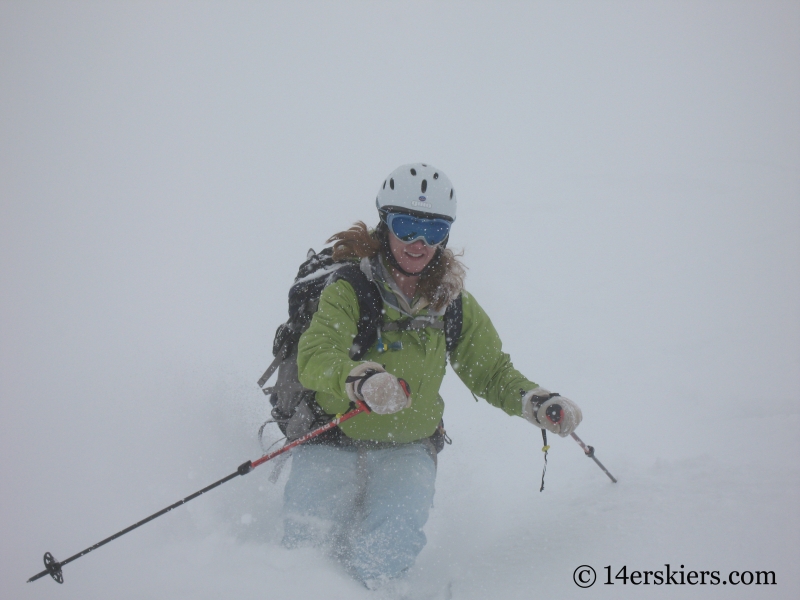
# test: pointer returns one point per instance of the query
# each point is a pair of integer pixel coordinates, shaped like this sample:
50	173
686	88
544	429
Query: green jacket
324	363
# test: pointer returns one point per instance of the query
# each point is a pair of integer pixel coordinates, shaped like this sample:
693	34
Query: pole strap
545	448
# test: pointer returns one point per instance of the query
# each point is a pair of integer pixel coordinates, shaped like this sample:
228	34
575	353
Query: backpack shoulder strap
370	304
453	322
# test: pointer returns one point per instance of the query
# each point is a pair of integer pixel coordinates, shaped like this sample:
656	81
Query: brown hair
439	285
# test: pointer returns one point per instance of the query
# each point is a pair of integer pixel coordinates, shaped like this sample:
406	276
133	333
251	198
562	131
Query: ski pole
554	412
53	567
589	451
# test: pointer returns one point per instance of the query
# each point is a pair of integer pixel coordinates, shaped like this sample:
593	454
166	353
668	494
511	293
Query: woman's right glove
383	392
551	411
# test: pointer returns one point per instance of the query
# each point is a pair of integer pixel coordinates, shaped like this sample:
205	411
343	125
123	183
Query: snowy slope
722	501
627	178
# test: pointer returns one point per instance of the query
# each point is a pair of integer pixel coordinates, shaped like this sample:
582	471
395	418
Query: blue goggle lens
408	228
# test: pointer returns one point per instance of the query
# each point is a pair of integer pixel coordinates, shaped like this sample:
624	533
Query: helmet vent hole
436	176
384	184
413	171
391	183
451	194
424	185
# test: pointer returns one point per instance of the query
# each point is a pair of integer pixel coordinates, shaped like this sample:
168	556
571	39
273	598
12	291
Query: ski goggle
408	228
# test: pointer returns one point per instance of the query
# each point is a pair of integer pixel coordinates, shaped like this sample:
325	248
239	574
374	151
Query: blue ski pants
367	506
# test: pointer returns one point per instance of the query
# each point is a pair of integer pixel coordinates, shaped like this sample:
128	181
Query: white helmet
418	188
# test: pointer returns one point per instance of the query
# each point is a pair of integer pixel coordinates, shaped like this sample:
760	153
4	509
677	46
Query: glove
551	411
383	392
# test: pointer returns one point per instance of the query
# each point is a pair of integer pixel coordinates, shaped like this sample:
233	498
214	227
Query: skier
365	492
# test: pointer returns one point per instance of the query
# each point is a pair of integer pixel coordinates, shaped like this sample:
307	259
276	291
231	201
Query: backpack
294	407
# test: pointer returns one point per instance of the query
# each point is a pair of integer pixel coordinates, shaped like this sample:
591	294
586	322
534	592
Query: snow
628	205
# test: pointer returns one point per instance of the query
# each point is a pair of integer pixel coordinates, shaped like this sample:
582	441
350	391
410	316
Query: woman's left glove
551	411
383	392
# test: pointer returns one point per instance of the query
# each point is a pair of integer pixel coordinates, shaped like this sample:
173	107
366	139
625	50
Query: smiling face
412	257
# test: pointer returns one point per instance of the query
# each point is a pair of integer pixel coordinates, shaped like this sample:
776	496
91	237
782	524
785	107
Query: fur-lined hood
439	285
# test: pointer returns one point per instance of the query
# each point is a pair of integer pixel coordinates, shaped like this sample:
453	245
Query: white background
628	176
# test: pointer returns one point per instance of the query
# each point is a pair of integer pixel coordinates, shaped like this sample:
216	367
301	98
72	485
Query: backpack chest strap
415	324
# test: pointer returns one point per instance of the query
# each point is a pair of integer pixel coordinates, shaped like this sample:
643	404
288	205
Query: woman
367	494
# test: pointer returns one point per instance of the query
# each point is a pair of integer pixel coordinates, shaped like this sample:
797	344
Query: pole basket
53	567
